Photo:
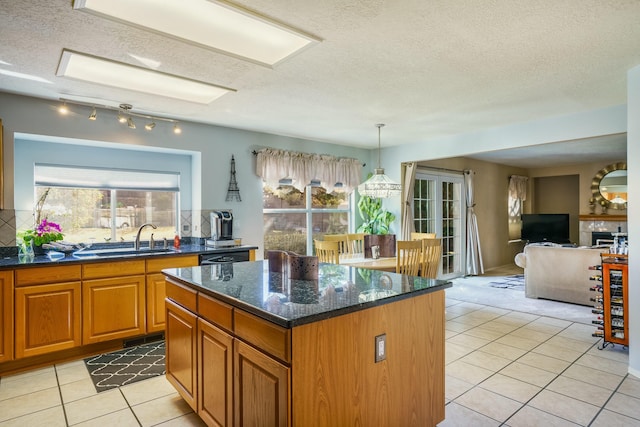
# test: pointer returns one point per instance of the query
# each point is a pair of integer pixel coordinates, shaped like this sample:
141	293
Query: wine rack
611	300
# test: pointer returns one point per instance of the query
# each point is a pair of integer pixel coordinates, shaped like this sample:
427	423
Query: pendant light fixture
379	186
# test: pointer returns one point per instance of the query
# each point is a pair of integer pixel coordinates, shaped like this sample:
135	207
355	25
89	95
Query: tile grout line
64	409
571	323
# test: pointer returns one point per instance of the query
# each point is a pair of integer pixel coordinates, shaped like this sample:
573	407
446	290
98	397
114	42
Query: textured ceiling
425	68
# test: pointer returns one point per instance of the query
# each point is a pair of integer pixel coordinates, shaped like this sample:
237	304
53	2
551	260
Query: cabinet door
261	388
113	308
47	318
156	289
215	378
181	352
6	315
156	293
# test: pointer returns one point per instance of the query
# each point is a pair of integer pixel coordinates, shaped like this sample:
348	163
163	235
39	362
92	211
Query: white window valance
333	173
518	187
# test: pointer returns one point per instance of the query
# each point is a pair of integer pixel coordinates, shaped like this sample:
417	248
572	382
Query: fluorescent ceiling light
216	25
124	76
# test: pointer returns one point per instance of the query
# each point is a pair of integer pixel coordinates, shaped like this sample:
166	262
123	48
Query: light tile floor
503	368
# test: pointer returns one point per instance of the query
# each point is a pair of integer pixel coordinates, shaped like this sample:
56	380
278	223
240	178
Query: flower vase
38	250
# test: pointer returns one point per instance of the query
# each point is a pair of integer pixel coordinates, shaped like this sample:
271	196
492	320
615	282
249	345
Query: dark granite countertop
14	261
339	289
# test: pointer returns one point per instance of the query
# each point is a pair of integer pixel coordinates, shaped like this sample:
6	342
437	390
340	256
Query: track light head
176	129
94	114
150	126
63	109
130	123
122	114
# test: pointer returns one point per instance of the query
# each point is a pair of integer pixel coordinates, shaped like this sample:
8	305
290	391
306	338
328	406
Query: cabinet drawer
35	276
156	265
268	337
216	312
188	298
112	269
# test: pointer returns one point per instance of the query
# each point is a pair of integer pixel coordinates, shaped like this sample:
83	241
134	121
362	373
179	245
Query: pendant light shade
379	186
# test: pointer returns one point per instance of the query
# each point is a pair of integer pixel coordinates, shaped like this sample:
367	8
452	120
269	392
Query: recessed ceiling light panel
216	25
124	76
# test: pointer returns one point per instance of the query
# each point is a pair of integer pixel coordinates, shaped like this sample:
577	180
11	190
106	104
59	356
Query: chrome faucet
136	243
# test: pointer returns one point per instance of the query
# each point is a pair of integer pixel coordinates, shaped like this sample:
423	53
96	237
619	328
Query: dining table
359	260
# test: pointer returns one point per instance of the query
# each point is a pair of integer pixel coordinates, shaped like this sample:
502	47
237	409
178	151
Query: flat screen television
553	228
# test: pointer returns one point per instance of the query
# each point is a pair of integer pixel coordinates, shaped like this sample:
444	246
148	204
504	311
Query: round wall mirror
610	184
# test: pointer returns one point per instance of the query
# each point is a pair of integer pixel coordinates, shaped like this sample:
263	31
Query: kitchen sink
120	252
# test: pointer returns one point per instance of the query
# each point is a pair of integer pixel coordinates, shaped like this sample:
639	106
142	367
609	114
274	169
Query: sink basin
119	252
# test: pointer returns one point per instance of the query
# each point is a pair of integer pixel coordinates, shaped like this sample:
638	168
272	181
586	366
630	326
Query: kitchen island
249	346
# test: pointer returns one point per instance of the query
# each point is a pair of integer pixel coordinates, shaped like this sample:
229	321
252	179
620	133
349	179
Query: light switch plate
381	348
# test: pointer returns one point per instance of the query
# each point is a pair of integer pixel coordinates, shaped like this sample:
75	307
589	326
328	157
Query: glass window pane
320	199
286	232
283	197
329	223
85	215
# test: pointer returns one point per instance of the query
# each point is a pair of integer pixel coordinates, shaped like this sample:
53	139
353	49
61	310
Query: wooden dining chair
342	240
327	251
355	242
431	257
408	257
419	236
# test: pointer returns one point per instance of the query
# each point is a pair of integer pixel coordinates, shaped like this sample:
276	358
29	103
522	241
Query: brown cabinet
235	384
311	374
261	388
215	375
155	287
113	300
47	310
47	318
6	316
181	352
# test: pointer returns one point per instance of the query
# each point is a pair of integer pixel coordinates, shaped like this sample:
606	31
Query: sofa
559	273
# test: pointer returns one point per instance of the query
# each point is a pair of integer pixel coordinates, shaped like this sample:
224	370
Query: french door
438	207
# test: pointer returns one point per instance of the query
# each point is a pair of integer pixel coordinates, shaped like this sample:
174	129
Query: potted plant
44	232
375	223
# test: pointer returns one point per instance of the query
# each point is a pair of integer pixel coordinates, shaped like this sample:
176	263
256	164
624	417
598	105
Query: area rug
509	282
126	366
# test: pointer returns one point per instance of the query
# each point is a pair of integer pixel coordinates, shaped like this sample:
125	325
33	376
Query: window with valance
332	173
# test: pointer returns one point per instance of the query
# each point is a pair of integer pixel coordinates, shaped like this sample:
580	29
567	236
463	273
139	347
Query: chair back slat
408	257
342	240
431	257
327	251
355	242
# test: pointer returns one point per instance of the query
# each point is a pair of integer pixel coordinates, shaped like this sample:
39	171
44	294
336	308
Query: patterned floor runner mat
126	366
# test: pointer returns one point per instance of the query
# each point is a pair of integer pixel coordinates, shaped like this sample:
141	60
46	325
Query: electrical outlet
381	348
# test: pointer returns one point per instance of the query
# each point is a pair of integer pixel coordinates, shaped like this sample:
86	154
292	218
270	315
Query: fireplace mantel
603	217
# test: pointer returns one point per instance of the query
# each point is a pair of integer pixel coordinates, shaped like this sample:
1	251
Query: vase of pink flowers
44	232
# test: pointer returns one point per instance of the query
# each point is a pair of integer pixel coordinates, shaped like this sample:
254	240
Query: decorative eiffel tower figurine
233	193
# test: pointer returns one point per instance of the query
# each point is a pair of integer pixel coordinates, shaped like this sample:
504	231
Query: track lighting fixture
125	115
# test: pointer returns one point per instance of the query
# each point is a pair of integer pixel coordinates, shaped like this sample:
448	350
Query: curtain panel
333	173
474	251
408	186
